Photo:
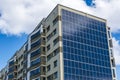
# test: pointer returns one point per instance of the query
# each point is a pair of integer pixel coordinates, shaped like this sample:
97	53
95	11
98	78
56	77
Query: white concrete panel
28	76
28	59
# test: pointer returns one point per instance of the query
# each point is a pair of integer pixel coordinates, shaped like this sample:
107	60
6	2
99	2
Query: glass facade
11	63
35	72
85	48
35	44
11	69
35	35
35	53
35	62
10	76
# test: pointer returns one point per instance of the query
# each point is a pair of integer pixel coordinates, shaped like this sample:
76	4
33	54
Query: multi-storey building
66	45
0	75
12	68
20	66
36	58
3	74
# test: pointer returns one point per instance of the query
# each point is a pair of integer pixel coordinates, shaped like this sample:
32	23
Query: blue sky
8	46
19	18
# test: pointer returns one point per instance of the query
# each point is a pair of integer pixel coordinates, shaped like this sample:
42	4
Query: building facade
66	45
3	74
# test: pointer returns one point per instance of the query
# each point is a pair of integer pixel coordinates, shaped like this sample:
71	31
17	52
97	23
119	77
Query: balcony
35	54
42	77
15	69
43	59
35	73
43	71
33	40
43	34
34	36
43	43
34	76
34	49
16	63
42	63
35	45
10	77
34	66
11	69
11	63
43	53
35	62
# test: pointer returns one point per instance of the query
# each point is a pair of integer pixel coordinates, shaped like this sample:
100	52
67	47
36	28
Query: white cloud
22	16
110	10
116	50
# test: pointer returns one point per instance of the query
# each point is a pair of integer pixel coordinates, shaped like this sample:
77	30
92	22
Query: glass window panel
85	46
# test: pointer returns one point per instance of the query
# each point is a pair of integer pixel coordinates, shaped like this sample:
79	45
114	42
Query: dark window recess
56	41
113	62
48	47
55	63
35	35
108	28
111	52
56	20
37	43
44	78
15	74
56	52
49	78
37	61
48	68
35	72
43	39
113	72
54	32
48	28
43	49
110	43
44	69
49	56
55	75
16	67
48	37
109	34
35	53
43	30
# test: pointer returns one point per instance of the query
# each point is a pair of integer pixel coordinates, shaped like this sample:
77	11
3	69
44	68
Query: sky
19	17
